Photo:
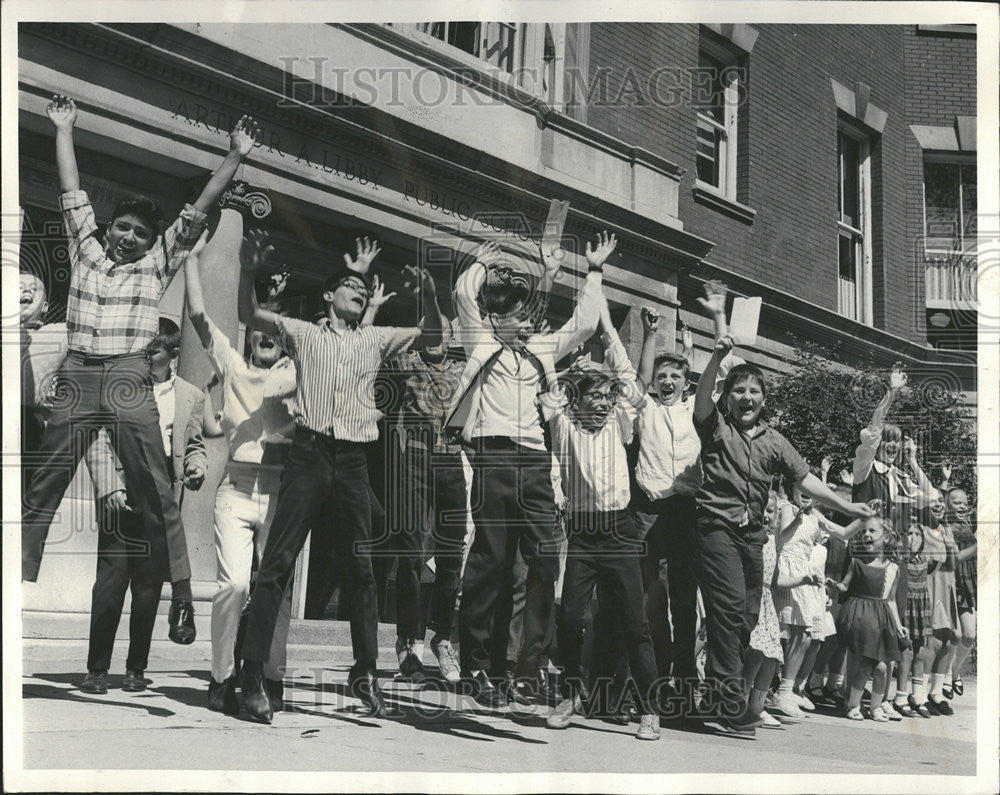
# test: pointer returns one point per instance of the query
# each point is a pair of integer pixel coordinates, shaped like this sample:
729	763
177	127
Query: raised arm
241	141
871	436
193	292
583	323
253	253
375	301
818	490
844	534
432	321
62	113
715	303
650	324
926	493
472	327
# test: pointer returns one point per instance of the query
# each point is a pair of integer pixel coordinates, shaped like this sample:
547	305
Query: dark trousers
427	492
730	572
321	473
118	572
604	550
116	393
673	536
512	506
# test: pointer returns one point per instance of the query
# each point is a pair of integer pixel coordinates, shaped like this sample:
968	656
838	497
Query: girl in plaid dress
917	620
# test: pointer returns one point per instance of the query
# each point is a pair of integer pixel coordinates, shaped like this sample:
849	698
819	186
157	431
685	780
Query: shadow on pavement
64	689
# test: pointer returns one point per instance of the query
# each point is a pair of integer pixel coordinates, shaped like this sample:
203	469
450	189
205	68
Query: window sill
709	196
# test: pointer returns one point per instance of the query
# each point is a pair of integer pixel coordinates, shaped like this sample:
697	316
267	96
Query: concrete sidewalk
434	729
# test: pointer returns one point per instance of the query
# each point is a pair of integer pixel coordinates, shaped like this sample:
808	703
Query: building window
950	228
854	283
492	42
949	205
716	96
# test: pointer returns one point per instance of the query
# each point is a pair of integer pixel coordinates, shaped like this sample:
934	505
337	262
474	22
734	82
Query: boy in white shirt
259	427
497	411
589	436
669	474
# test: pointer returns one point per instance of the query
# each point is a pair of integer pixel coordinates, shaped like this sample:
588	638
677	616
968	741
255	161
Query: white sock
937	682
918	685
785	688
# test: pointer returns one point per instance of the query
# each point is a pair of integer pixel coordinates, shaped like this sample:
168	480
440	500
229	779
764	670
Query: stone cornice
208	70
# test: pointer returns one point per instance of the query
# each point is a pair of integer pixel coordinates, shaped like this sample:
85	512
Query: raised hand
597	256
946	470
367	251
378	296
255	250
860	510
714	301
61	111
687	339
825	466
243	136
724	345
846	477
909	448
489	253
277	282
897	378
418	280
650	320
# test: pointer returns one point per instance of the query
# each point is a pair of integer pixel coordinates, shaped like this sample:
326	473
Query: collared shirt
669	449
428	386
739	468
335	374
509	400
895	487
594	464
256	401
166	405
113	308
42	351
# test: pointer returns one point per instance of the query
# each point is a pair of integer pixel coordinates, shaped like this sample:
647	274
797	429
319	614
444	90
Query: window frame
726	131
956	159
860	236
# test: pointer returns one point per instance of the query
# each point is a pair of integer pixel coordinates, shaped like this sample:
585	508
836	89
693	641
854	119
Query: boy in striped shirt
336	363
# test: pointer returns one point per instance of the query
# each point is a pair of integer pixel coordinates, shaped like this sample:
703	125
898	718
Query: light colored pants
244	508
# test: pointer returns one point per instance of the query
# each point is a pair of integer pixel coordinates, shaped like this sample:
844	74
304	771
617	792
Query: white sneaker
649	728
787	704
770	722
447	659
561	716
805	702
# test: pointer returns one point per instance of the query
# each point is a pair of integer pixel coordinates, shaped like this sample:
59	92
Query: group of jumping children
528	490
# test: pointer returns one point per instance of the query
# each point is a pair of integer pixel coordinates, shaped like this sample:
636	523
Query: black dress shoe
255	698
182	622
942	707
222	697
95	683
133	682
276	692
364	686
517	691
485	692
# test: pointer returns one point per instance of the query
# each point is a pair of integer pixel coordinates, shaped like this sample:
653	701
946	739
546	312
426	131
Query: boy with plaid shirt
104	382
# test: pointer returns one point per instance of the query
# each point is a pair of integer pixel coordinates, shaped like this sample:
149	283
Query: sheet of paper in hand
744	319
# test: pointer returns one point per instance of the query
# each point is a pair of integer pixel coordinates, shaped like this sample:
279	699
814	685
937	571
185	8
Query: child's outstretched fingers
897	377
61	111
650	319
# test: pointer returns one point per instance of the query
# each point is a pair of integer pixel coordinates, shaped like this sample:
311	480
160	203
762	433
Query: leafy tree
821	405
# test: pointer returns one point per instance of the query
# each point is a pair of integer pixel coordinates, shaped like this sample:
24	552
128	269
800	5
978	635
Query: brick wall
791	157
942	86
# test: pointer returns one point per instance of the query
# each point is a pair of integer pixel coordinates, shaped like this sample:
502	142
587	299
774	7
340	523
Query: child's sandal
904	709
890	713
879	716
855	714
958	686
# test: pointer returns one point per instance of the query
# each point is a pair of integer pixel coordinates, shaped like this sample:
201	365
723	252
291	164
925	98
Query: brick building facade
780	158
